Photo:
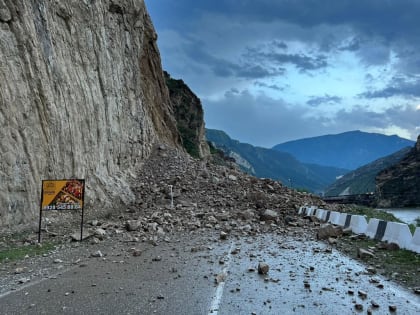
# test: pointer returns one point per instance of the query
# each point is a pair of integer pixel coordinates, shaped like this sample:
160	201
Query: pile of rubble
175	193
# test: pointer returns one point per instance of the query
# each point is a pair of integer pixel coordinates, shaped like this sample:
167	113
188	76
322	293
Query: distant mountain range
274	164
348	150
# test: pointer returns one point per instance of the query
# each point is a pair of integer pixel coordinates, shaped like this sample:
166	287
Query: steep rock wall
82	95
189	116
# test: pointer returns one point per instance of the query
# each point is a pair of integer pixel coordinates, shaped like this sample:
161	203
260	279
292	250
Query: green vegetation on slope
268	163
362	180
188	114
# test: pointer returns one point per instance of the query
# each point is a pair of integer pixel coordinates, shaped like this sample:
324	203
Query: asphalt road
179	277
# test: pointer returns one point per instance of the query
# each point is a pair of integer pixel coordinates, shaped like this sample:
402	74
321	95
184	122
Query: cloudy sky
269	71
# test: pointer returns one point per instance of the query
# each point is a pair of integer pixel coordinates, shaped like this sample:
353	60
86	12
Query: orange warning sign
66	194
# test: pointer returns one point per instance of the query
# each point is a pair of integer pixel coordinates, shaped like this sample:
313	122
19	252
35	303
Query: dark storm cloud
281	121
224	68
326	99
259	119
404	117
389	19
301	61
399	86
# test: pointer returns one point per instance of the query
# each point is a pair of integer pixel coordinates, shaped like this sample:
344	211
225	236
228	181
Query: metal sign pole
39	228
83	211
40	214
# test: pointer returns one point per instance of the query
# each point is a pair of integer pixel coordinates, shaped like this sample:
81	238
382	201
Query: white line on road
32	283
217	298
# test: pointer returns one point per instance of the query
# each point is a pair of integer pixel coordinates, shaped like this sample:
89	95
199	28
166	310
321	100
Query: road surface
201	274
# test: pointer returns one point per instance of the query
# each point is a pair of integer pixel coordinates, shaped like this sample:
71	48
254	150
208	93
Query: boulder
268	215
327	231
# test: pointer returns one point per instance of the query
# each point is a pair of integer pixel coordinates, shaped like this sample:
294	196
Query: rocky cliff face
189	117
82	95
399	185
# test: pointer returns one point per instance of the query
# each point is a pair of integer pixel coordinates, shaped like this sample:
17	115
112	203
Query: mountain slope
348	150
189	116
399	185
273	164
362	180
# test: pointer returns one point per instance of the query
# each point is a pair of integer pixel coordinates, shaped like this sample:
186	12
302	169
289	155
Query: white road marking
217	298
32	283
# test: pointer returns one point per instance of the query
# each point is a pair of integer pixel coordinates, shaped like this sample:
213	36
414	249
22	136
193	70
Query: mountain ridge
263	162
349	150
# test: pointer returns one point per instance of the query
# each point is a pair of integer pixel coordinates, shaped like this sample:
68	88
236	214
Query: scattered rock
327	231
358	306
364	253
362	294
269	215
388	246
220	278
263	268
19	270
97	254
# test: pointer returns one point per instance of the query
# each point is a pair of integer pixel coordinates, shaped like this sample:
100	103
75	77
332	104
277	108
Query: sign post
61	195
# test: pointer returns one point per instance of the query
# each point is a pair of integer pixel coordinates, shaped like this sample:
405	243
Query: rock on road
197	274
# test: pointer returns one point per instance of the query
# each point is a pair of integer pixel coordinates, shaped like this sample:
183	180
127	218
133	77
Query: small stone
157	258
23	280
332	241
374	304
136	252
263	268
220	278
364	253
232	177
362	294
371	270
269	215
392	308
97	254
223	235
57	261
358	307
19	270
235	251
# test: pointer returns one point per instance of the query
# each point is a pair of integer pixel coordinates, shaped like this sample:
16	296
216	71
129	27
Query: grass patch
16	246
370	213
20	252
400	265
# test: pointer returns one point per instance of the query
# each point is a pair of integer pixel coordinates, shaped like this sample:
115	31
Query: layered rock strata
82	95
